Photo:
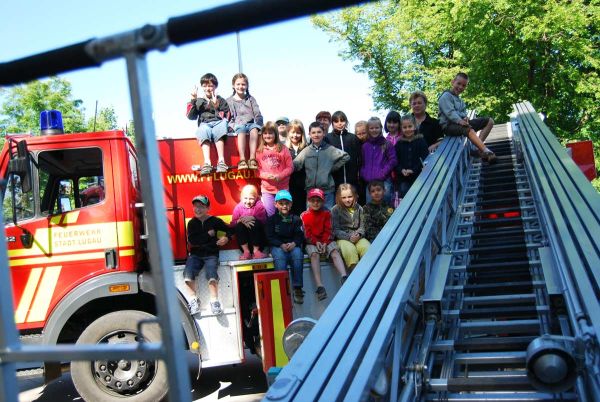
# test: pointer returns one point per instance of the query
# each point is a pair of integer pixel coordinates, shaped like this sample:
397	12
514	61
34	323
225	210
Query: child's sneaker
245	255
206	169
343	278
194	306
259	254
298	296
321	293
215	307
222	167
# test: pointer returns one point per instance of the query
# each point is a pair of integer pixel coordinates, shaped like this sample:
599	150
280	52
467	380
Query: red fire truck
75	233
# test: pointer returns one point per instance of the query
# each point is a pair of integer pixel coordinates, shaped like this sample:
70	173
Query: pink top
393	139
258	211
279	164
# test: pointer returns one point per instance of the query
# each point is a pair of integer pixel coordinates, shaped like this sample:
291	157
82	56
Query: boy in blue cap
285	236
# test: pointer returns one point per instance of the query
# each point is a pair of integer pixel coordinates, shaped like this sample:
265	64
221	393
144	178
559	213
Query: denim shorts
245	128
212	131
194	264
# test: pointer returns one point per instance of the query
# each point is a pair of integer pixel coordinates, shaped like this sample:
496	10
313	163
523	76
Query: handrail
570	210
346	351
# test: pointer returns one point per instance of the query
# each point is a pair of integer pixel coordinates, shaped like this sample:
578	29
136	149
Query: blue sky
293	68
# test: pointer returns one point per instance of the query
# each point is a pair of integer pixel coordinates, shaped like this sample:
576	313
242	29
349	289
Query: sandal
252	164
242	165
222	167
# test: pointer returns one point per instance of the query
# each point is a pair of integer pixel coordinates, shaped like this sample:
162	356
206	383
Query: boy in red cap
319	239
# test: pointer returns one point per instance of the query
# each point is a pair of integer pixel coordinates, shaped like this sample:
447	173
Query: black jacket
202	236
410	155
206	112
280	231
431	130
349	143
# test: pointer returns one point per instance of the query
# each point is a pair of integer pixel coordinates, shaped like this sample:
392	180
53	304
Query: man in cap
282	124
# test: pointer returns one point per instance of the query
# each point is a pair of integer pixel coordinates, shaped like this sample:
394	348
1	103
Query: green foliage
596	184
130	130
544	52
22	105
106	120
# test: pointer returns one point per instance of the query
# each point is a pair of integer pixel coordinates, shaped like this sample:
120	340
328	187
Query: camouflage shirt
375	218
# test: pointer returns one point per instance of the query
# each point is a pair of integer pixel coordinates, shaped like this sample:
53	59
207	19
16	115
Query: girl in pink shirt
275	166
249	218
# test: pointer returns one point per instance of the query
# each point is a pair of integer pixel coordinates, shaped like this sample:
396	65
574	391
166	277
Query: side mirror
21	166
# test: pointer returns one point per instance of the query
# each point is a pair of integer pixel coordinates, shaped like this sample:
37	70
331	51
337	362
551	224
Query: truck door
64	232
274	314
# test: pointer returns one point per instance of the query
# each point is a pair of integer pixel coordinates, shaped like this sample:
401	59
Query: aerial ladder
483	286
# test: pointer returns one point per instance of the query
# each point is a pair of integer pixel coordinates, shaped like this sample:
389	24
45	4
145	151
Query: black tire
112	381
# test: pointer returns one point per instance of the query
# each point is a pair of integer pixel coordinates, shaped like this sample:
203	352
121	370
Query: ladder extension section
484	285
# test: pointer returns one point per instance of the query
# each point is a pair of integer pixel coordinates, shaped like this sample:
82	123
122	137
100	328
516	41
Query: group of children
342	234
331	171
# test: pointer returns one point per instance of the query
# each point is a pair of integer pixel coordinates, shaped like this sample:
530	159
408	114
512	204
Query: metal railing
133	46
359	338
569	208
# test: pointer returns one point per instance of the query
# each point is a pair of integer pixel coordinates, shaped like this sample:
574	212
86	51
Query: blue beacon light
51	122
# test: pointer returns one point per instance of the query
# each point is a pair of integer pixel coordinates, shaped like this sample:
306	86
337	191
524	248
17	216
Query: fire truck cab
75	229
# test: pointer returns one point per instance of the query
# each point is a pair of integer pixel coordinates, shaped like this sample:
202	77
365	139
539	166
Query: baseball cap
283	195
282	119
316	192
201	199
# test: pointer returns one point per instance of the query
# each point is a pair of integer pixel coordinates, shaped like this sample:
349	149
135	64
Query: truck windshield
70	179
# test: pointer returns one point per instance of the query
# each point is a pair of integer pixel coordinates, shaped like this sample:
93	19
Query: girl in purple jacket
379	159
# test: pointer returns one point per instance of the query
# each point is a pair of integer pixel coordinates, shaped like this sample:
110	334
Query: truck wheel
119	380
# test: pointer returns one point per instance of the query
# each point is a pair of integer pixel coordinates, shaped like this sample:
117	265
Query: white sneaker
215	306
194	306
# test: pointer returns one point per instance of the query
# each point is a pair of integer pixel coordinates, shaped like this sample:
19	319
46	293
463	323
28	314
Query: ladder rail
570	209
331	356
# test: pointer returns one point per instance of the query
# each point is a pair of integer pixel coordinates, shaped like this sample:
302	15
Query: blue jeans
195	263
212	131
245	128
294	258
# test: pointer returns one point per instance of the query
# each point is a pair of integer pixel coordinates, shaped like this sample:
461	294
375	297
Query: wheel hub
124	377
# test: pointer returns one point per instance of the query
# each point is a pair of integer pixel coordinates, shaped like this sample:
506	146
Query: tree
22	105
544	52
130	130
106	120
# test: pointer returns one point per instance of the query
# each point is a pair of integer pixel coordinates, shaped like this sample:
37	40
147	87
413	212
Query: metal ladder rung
499	299
485	358
489	384
504	312
500	327
504	397
494	343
